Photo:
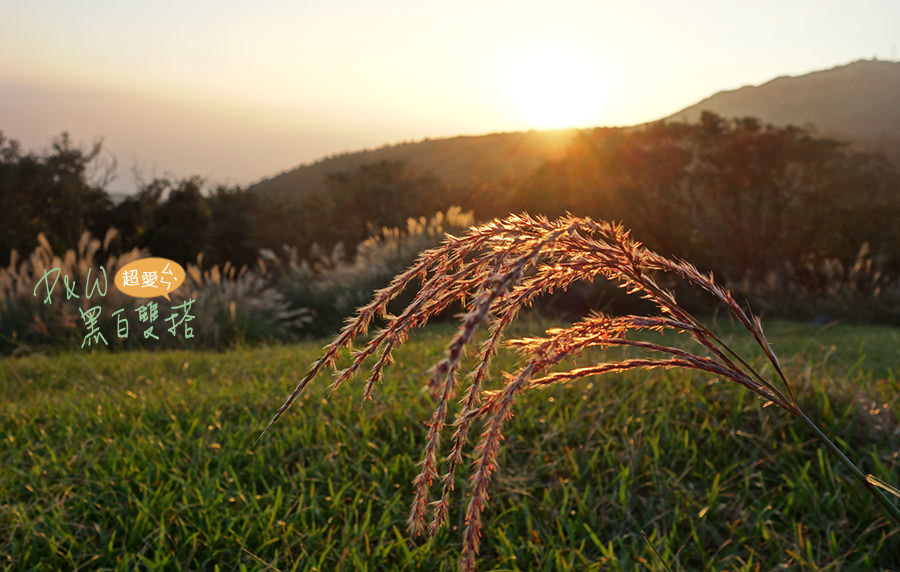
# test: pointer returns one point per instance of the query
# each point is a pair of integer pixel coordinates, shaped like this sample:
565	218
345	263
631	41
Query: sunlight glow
557	85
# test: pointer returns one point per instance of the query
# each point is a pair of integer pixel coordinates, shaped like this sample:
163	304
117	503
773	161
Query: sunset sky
236	91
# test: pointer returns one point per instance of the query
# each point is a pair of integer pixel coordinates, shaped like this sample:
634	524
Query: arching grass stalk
495	270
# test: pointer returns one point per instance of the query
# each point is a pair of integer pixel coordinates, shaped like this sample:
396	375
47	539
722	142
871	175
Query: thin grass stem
889	506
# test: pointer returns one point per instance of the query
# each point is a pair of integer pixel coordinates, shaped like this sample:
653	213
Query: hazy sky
236	91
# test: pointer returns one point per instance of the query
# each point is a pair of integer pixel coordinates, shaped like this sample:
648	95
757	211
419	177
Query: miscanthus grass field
150	461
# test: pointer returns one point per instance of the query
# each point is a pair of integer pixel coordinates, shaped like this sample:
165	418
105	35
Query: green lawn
149	461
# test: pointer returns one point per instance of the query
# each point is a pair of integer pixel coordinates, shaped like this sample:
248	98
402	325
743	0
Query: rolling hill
456	160
858	102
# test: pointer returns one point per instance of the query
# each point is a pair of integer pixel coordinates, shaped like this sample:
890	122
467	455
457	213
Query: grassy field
149	461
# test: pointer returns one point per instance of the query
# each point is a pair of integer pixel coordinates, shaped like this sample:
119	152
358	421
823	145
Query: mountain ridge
858	102
456	160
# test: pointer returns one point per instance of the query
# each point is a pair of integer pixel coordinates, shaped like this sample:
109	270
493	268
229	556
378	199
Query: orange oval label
149	277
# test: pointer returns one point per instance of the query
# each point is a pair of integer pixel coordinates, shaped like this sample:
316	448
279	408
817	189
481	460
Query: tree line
732	195
736	196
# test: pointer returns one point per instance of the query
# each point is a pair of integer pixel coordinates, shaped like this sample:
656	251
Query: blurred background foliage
802	226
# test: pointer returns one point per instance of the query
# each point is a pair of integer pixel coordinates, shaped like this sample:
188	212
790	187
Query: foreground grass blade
494	271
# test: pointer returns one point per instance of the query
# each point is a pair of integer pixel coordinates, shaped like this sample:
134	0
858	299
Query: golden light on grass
497	269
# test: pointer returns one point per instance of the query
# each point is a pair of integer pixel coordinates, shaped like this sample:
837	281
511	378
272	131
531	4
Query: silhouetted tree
381	194
50	193
179	226
231	228
759	195
133	216
355	204
734	195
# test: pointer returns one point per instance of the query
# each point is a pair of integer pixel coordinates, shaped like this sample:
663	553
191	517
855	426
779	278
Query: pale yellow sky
236	92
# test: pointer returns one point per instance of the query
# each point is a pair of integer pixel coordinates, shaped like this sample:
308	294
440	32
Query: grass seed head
494	271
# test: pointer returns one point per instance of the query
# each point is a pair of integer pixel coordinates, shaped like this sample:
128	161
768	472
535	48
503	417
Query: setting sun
555	86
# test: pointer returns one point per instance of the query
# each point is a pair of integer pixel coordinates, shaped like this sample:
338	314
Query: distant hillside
858	101
456	160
